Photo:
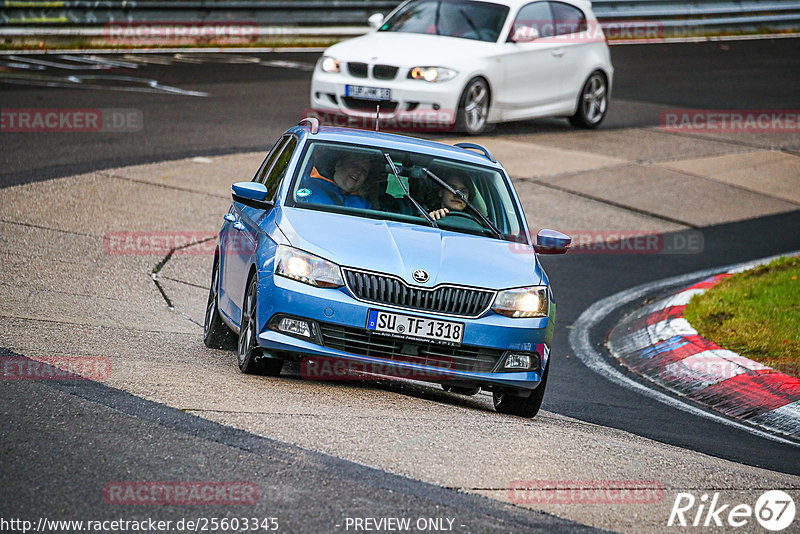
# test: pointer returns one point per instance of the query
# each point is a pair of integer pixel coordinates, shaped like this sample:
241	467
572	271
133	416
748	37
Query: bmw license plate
368	93
409	327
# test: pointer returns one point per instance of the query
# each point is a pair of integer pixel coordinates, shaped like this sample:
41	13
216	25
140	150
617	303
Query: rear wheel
216	334
250	357
473	108
592	102
509	404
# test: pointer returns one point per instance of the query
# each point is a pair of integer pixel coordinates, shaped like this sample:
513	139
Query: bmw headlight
432	74
522	302
307	268
330	64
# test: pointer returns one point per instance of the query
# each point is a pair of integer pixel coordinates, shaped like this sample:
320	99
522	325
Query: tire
216	333
473	108
249	355
592	102
508	404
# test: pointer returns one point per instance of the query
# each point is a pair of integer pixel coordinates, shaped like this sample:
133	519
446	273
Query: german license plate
368	93
410	327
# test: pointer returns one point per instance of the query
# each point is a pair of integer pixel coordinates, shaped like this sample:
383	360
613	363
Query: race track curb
658	343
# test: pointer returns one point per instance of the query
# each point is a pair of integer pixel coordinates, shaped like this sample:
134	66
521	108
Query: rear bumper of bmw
337	325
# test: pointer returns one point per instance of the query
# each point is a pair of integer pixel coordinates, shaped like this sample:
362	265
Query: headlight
329	64
307	268
432	74
522	302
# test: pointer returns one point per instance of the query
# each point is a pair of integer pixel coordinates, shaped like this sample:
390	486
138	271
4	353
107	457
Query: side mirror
251	194
375	20
525	34
551	242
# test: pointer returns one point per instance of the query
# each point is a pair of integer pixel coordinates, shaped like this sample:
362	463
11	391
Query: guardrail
302	16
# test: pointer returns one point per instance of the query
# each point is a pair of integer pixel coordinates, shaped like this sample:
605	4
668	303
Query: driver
451	202
343	188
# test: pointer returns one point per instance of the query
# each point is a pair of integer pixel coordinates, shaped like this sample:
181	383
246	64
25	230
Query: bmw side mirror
525	34
251	194
552	242
375	20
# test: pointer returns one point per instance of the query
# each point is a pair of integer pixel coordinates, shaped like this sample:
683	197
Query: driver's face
449	200
351	174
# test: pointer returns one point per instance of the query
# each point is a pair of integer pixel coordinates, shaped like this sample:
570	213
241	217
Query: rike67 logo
774	510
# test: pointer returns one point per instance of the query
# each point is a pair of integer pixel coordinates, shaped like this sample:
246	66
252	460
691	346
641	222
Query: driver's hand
438	214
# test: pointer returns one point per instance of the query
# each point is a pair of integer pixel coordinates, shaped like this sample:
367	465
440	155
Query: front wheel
473	108
215	333
508	404
592	102
249	355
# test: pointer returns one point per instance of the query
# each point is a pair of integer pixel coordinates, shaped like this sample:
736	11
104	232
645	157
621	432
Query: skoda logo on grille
420	276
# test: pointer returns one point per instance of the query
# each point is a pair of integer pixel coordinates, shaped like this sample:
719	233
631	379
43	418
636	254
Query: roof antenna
377	116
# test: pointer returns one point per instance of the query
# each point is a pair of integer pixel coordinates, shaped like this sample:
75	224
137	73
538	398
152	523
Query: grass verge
755	313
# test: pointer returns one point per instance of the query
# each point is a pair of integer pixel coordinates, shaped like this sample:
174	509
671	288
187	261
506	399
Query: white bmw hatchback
472	62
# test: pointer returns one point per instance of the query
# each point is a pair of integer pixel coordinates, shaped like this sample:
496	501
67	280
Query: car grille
359	70
384	72
449	300
363	104
364	342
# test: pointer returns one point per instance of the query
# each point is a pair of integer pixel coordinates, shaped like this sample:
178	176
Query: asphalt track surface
67	438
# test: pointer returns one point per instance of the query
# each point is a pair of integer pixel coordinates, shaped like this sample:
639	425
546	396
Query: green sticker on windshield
303	192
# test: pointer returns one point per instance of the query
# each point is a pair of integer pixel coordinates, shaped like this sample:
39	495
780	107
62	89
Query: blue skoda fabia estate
370	253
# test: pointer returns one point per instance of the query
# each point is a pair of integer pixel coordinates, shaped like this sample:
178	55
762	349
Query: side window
568	19
261	175
278	170
536	15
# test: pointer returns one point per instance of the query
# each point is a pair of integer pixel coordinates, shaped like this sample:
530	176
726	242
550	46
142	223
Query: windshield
361	181
480	21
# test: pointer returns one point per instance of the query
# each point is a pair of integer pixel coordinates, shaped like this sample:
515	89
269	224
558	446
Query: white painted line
201	159
585	351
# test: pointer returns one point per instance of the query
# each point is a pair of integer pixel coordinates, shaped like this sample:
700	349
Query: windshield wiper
470	205
396	174
436	17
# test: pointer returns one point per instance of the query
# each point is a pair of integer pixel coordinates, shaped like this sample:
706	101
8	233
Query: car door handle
239	226
230	218
558	52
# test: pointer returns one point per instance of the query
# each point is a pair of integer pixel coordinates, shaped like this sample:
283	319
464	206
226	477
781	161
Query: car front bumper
413	103
335	310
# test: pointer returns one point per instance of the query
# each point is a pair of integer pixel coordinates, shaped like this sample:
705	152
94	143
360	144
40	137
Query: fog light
295	327
517	360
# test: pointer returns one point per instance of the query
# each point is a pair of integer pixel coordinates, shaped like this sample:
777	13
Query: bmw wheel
592	102
249	355
215	333
473	108
509	404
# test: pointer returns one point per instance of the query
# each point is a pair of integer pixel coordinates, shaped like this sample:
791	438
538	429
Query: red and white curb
659	344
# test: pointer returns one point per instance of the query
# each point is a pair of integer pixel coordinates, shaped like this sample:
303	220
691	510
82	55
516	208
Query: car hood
410	49
401	248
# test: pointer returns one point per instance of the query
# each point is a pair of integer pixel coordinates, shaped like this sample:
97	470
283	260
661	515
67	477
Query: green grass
755	313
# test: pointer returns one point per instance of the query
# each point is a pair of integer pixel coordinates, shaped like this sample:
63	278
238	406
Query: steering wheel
464	214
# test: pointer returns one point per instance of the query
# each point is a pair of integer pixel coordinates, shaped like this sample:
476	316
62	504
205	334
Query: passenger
350	173
451	202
